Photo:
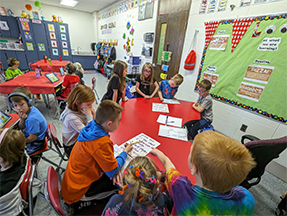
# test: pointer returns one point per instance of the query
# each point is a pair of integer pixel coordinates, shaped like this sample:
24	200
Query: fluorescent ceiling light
70	3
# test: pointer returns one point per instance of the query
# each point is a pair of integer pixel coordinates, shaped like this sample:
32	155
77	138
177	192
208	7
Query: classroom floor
266	193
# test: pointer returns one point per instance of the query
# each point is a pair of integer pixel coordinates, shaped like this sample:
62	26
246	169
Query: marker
166	120
135	142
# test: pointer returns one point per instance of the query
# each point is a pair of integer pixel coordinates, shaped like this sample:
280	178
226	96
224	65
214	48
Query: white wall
227	118
81	24
140	28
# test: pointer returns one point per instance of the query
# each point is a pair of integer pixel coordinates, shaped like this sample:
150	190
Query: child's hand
118	179
22	115
195	105
128	148
146	96
87	111
154	152
161	98
93	110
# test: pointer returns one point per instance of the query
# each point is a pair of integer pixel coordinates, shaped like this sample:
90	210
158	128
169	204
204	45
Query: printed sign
54	43
222	5
41	47
55	52
4	26
203	6
65	52
63	37
52	36
25	25
51	27
28	36
269	44
258	73
62	29
218	42
211	69
30	46
250	91
211	77
211	6
64	44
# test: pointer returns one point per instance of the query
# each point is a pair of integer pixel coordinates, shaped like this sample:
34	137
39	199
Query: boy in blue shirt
168	88
31	121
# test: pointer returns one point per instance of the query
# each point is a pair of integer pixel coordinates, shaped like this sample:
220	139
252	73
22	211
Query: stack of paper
159	107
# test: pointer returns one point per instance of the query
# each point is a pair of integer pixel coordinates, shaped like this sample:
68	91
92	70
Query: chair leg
51	162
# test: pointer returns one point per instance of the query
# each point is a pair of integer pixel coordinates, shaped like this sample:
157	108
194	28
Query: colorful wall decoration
245	59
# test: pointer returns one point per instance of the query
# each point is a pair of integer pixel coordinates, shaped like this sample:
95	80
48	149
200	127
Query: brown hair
206	84
23	90
178	79
118	70
150	77
108	110
72	68
221	161
13	61
12	147
81	94
138	188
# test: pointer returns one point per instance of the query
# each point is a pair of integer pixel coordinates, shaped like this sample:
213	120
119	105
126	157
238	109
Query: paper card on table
171	101
172	132
173	121
159	107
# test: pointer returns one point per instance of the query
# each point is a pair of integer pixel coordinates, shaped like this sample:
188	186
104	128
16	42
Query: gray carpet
266	193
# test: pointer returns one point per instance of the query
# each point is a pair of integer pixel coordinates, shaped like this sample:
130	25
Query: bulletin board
246	61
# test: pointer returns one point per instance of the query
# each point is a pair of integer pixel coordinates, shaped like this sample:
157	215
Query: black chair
263	151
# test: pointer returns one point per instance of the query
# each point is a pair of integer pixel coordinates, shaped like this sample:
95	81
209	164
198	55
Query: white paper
172	132
139	149
169	120
171	101
159	107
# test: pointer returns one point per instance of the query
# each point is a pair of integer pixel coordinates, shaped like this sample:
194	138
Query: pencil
135	142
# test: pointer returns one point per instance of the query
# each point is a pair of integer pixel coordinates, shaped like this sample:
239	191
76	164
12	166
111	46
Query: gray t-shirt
206	104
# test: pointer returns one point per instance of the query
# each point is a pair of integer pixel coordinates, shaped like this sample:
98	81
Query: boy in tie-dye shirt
219	164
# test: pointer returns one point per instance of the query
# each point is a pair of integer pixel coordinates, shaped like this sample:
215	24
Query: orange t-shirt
87	161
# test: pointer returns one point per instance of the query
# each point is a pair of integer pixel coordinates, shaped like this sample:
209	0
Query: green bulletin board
249	68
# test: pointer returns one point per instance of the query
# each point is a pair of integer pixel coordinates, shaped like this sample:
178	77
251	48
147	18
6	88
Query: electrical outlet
243	127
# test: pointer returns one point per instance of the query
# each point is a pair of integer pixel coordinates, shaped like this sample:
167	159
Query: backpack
190	59
113	54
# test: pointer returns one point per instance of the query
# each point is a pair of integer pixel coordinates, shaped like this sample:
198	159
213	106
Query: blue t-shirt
166	90
35	123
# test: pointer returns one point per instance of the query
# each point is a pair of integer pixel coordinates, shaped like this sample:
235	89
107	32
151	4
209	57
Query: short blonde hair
81	94
138	188
178	79
222	162
108	110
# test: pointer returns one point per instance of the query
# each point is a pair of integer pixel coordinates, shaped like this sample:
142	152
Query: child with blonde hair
116	89
77	115
219	164
140	195
79	72
168	88
145	80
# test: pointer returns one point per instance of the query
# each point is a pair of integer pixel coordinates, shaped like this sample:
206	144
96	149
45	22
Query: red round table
56	64
138	117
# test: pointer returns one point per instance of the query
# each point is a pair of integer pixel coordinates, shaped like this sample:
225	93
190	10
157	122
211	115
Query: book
142	148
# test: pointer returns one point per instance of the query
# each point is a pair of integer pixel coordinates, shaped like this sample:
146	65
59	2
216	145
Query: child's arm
160	95
197	107
155	90
115	95
139	91
31	138
22	117
174	95
166	162
124	95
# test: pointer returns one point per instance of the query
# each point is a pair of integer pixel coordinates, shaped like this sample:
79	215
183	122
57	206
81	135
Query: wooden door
174	14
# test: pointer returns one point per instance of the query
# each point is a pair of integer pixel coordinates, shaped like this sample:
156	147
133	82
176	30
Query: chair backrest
264	151
53	190
43	149
25	183
53	131
73	85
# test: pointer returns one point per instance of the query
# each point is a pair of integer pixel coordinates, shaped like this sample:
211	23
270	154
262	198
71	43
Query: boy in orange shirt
92	163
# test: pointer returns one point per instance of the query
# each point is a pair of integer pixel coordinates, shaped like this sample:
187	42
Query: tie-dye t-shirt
166	90
190	199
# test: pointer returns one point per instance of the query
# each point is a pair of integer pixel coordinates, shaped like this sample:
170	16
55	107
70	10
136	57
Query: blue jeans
195	125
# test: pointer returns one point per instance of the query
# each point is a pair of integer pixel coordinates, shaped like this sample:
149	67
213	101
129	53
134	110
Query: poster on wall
252	61
63	37
218	42
25	25
211	77
222	5
30	46
55	52
54	43
51	27
2	11
64	44
211	6
52	35
62	29
259	1
4	26
41	47
203	6
244	3
65	52
28	36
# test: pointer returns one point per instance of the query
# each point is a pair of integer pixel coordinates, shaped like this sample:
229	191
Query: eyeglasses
201	91
147	71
